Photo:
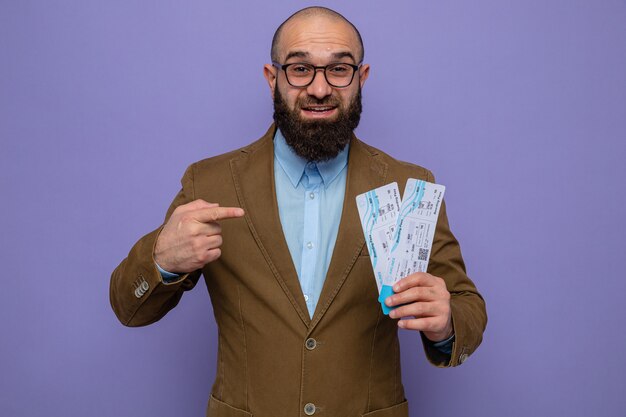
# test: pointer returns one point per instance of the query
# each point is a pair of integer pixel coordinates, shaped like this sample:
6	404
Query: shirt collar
294	164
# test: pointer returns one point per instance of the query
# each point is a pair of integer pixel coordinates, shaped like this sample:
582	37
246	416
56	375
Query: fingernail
396	288
388	301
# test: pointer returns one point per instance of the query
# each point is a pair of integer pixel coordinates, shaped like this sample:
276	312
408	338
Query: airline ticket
378	210
400	238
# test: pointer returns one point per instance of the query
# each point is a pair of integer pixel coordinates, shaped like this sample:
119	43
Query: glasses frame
284	67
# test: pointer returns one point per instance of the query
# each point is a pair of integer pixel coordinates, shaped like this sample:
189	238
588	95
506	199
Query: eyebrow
297	54
339	55
302	54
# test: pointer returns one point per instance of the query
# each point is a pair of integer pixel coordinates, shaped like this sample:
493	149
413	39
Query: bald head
314	13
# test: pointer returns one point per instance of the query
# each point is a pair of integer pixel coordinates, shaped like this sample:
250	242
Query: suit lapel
364	173
253	175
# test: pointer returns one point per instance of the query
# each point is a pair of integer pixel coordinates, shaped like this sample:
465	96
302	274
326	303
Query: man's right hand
192	236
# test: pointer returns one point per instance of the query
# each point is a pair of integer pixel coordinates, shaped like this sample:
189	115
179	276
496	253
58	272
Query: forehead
319	37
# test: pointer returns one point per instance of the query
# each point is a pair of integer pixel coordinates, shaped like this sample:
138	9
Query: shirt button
311	344
309	409
306	297
311	196
309	245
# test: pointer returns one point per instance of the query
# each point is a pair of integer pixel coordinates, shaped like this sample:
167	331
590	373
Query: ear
364	72
270	73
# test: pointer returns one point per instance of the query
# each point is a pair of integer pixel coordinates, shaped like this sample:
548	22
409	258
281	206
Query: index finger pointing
214	214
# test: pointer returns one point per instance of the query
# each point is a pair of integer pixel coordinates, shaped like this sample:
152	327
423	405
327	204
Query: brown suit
273	359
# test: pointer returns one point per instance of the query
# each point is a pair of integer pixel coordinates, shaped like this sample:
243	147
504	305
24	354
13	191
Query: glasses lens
300	75
339	75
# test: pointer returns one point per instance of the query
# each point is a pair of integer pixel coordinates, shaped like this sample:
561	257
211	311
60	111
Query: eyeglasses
302	75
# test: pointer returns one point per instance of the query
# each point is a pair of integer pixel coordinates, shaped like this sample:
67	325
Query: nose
319	88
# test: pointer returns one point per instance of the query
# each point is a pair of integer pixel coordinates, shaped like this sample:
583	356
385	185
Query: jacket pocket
398	410
218	408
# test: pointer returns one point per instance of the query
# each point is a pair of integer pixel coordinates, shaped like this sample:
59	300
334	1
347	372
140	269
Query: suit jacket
273	359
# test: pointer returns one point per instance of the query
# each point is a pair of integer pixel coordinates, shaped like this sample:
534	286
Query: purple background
518	107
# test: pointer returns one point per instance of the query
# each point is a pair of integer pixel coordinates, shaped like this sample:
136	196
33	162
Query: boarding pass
378	210
399	235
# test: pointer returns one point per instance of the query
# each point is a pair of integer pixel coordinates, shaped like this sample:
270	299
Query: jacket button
311	344
309	409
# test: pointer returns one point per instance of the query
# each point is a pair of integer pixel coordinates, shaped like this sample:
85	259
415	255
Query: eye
299	69
339	69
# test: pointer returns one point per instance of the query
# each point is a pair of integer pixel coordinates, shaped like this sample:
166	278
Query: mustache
313	101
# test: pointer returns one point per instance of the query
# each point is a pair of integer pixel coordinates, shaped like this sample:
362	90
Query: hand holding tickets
399	238
192	236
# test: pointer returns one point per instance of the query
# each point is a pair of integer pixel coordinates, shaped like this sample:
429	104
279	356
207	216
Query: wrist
436	337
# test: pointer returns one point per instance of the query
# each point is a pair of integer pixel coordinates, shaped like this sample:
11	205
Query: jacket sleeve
469	315
137	293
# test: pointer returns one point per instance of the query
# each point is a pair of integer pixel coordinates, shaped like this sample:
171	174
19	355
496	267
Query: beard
317	140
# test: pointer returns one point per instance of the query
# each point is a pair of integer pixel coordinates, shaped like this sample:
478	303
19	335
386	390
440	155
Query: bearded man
300	329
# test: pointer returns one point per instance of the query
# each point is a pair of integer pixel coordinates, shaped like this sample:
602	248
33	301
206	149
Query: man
273	228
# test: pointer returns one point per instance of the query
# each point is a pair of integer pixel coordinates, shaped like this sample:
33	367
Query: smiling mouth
319	109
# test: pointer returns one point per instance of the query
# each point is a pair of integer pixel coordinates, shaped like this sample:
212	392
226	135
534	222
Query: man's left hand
426	299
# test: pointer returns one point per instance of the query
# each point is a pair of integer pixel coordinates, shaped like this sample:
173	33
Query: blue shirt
310	200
